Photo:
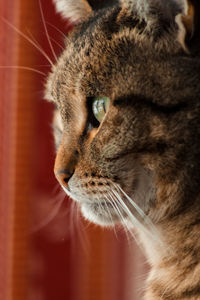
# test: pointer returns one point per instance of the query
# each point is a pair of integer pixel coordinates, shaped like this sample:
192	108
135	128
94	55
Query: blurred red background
47	251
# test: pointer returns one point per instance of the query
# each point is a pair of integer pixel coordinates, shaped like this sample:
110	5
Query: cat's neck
175	259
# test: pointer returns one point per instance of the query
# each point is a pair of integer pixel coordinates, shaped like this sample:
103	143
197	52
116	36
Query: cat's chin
95	213
100	213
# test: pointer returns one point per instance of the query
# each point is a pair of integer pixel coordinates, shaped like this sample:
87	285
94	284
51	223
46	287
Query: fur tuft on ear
186	23
188	18
74	10
181	12
167	9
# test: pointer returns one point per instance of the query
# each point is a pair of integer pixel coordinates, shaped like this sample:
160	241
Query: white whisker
29	40
132	217
139	210
117	209
56	189
82	233
23	68
46	31
78	228
72	224
53	26
33	38
122	218
149	229
108	211
36	42
49	217
111	218
58	44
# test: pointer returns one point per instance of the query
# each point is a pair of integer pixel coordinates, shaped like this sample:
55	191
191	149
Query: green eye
100	106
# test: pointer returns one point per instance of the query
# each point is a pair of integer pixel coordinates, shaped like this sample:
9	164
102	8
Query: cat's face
126	91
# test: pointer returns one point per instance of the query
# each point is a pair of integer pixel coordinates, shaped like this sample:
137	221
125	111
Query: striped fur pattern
141	165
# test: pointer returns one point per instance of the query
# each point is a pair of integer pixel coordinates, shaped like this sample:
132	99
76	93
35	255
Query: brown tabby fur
148	63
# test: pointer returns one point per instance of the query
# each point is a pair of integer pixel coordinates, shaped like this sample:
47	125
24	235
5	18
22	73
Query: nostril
63	177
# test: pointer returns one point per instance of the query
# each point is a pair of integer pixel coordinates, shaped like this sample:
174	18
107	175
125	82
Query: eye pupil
100	106
104	107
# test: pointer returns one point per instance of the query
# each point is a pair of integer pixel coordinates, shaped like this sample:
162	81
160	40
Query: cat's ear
183	12
188	18
74	10
191	19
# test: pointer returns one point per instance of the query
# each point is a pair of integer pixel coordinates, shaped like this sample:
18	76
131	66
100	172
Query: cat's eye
100	107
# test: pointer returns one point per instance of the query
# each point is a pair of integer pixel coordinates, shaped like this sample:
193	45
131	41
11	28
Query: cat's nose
63	176
65	164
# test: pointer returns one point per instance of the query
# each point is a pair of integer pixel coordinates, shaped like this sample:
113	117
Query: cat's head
127	92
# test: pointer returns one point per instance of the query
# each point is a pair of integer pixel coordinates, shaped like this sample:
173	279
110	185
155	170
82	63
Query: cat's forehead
106	56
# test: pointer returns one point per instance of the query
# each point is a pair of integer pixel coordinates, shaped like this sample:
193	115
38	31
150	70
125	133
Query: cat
127	128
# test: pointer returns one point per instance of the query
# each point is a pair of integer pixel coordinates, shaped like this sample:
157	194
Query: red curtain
47	251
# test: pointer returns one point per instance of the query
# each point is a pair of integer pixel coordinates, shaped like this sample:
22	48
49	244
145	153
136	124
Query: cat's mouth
104	211
110	204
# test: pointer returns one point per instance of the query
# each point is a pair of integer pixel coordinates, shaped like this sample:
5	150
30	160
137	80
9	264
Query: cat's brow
133	100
